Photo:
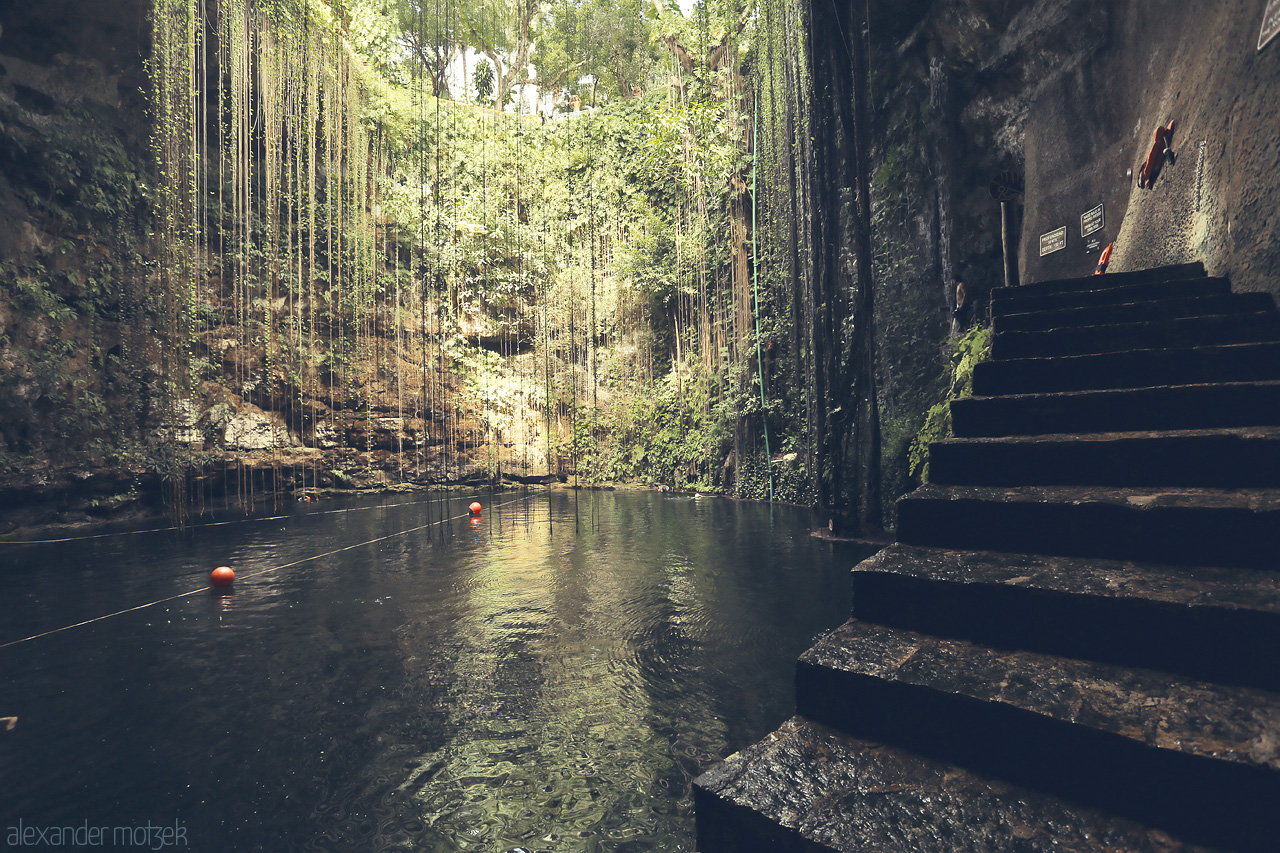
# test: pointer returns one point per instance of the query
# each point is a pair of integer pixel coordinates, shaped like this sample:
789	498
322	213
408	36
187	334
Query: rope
755	285
189	526
249	575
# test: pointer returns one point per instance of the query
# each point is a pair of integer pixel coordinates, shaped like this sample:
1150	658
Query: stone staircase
1075	642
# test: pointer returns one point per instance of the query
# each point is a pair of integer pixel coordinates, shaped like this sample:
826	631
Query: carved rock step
1242	457
1130	369
1134	312
1211	624
1019	301
1211	330
1198	406
1211	527
1094	299
1097	292
1197	759
807	787
1172	272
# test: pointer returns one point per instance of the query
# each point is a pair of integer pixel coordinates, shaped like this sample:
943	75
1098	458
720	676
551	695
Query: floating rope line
248	575
193	526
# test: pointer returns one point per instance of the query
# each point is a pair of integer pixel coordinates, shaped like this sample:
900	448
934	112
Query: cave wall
1088	132
1067	94
954	84
1065	91
65	65
75	342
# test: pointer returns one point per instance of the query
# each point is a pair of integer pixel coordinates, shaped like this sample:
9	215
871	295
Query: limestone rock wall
1089	131
954	84
84	428
1066	94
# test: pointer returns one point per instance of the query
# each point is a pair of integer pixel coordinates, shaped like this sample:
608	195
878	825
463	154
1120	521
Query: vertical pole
755	286
1010	246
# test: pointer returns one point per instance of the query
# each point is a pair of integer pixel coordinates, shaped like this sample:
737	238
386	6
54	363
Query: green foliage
598	50
351	249
673	436
77	170
973	348
482	79
33	294
792	482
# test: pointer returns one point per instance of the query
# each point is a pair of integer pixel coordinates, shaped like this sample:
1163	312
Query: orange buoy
475	507
222	576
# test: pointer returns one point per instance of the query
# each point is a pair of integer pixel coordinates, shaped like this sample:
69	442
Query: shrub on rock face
967	352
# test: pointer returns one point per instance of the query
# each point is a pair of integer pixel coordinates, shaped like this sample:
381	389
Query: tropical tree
374	28
431	39
595	48
483	80
502	30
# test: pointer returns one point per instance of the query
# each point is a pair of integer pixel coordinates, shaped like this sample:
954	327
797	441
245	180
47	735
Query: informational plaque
1270	23
1091	220
1092	246
1054	241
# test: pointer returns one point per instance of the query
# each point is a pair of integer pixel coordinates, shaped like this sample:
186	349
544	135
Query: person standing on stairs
1161	151
960	313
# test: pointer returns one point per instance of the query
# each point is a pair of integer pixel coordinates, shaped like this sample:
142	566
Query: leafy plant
968	351
482	78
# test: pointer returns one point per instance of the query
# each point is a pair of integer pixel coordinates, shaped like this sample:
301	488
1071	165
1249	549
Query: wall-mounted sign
1092	246
1091	220
1054	241
1270	23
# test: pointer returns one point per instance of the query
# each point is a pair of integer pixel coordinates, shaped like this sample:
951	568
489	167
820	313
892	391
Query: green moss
965	353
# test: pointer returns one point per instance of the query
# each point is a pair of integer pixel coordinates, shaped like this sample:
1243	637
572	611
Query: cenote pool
524	680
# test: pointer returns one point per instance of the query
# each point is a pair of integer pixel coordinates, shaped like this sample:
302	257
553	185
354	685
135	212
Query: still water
549	677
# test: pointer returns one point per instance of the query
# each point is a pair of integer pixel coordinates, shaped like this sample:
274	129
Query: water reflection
482	684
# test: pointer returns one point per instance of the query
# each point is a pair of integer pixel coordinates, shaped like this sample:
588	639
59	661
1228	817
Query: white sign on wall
1092	220
1270	23
1054	241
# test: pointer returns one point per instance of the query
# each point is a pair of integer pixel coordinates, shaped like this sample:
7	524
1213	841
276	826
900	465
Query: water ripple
527	683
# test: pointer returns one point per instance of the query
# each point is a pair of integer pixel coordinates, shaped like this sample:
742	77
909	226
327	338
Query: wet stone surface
1244	589
1229	723
847	794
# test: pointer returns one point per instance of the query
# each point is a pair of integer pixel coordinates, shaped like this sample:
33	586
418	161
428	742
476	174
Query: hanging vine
356	269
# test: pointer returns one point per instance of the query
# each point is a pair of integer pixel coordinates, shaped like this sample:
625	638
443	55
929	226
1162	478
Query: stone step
1190	757
1242	457
1189	287
1197	406
1211	527
1084	604
1172	272
1130	369
1134	312
808	787
1184	332
1096	291
1209	624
